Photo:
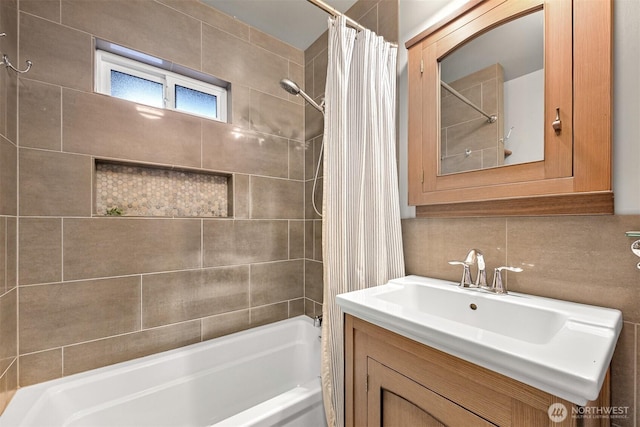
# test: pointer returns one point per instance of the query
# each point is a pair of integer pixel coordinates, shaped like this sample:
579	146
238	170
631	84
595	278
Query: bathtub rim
28	399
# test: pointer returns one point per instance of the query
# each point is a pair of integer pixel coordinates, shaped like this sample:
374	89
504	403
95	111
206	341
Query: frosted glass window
136	89
152	83
196	102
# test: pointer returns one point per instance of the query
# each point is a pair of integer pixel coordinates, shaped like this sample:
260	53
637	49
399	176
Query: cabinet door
395	400
575	175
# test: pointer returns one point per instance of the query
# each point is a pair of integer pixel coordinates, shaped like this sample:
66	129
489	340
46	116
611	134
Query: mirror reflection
492	98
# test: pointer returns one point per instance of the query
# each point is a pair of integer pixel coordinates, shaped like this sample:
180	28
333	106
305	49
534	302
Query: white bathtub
266	376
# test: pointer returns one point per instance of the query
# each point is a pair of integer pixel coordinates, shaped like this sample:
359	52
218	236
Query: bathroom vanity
424	351
395	381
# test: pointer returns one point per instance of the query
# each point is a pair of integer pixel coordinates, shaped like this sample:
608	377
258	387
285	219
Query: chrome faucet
473	257
498	287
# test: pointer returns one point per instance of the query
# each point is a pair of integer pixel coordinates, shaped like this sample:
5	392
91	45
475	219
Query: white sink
561	347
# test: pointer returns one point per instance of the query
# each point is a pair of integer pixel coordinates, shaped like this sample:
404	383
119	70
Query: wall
380	16
524	112
8	205
584	259
96	290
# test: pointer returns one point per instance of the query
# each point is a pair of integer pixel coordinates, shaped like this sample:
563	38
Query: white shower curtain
361	235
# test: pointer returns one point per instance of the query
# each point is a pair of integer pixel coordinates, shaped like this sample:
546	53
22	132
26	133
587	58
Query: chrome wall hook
8	64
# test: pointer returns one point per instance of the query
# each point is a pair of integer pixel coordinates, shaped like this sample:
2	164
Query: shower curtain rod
461	97
335	13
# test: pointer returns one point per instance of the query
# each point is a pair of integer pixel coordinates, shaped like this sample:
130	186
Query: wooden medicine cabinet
525	134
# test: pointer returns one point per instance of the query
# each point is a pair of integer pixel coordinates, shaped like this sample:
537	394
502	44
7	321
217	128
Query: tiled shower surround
93	290
132	190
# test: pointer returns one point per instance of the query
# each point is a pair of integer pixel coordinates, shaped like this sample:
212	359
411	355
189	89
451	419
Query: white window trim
107	61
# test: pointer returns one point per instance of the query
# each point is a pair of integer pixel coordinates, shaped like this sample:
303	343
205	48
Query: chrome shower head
291	87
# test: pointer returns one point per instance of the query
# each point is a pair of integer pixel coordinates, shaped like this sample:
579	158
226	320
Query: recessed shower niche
128	189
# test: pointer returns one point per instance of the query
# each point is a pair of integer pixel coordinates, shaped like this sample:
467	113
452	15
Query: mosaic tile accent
134	190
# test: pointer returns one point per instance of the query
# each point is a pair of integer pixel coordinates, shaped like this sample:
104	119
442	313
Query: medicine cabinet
540	84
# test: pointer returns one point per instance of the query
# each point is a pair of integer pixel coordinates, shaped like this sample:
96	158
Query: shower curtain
361	235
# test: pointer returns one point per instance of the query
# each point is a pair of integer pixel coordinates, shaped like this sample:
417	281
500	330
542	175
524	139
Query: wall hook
8	64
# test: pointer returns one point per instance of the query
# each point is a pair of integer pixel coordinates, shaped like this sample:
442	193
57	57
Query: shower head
291	87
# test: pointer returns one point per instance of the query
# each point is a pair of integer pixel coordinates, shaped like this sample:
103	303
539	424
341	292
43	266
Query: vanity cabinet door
395	400
391	380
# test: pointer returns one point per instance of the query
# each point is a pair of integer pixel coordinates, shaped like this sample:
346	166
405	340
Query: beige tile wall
97	290
586	259
8	205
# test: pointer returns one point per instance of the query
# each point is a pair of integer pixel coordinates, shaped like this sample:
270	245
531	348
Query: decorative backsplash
135	190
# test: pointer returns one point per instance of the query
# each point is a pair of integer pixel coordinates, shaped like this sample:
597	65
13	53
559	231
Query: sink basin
560	347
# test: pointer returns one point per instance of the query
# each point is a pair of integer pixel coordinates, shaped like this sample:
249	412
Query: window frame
107	61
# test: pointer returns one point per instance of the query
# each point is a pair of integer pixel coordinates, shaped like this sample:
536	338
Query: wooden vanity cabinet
394	381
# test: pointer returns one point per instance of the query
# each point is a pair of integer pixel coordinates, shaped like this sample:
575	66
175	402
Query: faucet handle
465	281
498	286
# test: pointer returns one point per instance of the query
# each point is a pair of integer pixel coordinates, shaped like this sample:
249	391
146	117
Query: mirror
492	98
572	173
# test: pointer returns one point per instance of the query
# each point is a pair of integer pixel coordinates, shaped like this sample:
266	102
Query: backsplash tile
584	259
623	380
576	258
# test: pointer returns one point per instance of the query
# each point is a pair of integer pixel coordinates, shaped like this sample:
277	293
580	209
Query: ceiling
296	22
518	46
